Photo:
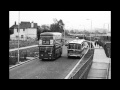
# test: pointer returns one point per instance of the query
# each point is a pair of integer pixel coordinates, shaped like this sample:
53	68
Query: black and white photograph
59	44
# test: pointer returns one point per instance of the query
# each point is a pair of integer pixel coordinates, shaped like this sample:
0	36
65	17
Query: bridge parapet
82	69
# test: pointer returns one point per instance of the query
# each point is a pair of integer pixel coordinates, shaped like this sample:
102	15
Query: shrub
107	49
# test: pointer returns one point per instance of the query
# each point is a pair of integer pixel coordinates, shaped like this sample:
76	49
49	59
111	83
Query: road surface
38	69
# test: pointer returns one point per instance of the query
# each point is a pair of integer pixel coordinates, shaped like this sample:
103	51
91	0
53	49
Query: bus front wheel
69	57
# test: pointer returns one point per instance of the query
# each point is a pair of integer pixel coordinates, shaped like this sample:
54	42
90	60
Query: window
85	44
46	37
79	46
49	49
76	46
82	44
71	46
22	36
42	49
16	36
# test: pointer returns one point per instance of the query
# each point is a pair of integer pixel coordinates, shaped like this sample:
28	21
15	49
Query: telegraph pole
64	35
90	34
91	30
18	34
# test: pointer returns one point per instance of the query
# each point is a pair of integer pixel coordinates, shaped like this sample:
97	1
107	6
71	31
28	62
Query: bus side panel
58	51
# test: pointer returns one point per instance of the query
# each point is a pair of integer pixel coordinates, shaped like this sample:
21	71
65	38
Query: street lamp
83	34
107	24
90	34
64	35
18	33
84	29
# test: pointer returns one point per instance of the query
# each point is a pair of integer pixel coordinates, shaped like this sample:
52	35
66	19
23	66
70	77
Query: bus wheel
52	59
60	53
68	56
80	57
55	57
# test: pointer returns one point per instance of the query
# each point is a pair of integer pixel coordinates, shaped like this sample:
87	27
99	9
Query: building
26	30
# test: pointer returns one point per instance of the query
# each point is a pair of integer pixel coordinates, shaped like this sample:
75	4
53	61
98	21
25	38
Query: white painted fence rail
22	48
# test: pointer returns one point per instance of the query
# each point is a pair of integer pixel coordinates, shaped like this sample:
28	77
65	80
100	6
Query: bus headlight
40	42
51	41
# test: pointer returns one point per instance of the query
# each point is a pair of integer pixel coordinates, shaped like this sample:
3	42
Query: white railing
22	48
108	70
68	76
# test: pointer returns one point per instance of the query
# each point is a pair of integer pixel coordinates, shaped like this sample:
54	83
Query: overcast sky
71	19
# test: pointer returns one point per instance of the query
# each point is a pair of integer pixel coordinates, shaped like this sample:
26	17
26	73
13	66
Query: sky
72	19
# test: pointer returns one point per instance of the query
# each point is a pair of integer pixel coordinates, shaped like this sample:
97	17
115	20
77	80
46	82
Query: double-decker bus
77	48
50	45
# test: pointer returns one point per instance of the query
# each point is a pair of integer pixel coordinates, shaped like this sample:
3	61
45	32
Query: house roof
11	29
24	25
35	25
13	26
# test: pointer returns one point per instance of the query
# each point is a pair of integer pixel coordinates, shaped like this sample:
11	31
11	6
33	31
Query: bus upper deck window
79	46
76	46
71	46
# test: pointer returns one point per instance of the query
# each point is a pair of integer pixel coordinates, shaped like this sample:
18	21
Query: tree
97	32
57	26
45	28
39	30
72	31
54	27
104	32
11	30
61	25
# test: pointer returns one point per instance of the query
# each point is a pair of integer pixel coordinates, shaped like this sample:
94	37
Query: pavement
20	63
100	65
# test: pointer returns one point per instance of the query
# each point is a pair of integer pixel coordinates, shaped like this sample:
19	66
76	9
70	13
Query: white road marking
75	66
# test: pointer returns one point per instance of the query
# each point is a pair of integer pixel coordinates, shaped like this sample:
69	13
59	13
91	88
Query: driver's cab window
84	45
79	46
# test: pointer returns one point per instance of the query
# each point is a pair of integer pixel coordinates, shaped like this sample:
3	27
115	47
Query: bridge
93	65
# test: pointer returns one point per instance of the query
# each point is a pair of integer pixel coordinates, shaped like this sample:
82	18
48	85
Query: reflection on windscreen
46	49
49	49
46	37
42	49
74	46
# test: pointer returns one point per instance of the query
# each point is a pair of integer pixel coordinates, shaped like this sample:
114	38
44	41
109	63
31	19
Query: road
38	69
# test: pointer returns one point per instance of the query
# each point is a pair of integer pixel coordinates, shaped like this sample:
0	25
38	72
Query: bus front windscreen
49	49
46	49
74	46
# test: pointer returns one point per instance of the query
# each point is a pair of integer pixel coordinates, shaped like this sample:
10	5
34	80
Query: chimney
32	24
15	22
